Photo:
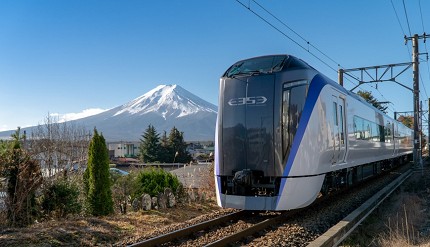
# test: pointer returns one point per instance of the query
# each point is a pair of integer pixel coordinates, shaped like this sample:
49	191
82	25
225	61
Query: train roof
266	64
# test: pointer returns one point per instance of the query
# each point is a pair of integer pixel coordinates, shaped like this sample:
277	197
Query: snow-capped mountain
168	101
163	107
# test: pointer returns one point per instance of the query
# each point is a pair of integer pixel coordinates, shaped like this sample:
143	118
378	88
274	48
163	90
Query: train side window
374	132
342	138
285	119
381	133
335	114
367	132
358	127
387	131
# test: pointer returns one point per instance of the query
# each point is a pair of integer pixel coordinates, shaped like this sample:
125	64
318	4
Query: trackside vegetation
153	181
97	179
37	186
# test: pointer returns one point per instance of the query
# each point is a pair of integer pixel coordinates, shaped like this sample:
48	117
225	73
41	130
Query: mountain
164	107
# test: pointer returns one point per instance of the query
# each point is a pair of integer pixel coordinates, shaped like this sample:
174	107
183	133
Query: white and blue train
286	133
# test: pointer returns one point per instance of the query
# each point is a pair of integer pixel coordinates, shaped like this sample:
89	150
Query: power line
425	45
403	31
248	7
407	19
400	24
290	38
284	34
398	19
289	28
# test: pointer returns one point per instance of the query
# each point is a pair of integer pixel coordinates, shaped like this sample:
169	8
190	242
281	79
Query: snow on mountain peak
167	101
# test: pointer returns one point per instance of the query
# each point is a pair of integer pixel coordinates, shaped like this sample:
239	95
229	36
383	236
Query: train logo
256	100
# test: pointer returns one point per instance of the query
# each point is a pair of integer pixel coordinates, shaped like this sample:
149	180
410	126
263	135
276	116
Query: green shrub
97	183
154	181
61	199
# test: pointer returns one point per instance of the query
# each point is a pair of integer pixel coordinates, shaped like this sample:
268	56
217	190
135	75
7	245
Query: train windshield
259	65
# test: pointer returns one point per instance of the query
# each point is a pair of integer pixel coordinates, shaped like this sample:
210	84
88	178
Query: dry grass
402	229
400	220
116	230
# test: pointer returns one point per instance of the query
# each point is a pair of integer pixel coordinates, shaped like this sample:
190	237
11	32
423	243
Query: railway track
185	232
240	225
310	225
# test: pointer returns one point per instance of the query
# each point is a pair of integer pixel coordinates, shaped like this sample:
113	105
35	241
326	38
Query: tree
408	121
149	148
58	146
178	148
97	177
366	95
23	179
165	149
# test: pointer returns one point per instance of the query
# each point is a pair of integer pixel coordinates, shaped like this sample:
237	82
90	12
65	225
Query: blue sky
66	57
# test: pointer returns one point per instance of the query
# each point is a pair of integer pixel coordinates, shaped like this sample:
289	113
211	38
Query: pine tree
149	148
165	151
97	177
178	148
366	95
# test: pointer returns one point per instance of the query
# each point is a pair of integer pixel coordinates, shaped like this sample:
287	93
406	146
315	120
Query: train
286	134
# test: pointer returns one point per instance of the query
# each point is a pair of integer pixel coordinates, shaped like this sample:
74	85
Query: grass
400	220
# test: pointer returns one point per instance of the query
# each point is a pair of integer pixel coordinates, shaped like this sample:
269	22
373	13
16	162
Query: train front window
293	102
264	65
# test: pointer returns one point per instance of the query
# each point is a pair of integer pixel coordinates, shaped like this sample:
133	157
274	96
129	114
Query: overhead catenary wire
407	19
306	44
301	37
425	46
289	28
400	24
410	34
284	34
248	7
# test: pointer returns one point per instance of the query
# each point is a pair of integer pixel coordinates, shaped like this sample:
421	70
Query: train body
286	133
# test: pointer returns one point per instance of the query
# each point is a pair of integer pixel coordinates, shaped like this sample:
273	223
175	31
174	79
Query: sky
75	58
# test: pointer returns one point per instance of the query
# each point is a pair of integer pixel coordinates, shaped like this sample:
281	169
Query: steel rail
251	230
168	237
336	234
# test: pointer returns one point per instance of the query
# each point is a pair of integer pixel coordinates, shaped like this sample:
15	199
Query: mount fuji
164	107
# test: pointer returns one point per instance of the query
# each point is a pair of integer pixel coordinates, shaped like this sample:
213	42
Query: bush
153	181
61	199
121	191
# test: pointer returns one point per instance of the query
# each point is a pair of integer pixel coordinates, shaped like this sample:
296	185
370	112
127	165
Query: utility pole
415	68
428	128
416	90
421	131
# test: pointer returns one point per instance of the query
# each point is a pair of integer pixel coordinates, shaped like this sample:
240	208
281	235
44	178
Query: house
123	149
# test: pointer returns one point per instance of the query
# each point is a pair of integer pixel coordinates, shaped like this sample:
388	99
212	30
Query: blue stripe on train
314	91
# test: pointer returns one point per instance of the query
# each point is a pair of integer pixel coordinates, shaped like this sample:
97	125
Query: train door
339	129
